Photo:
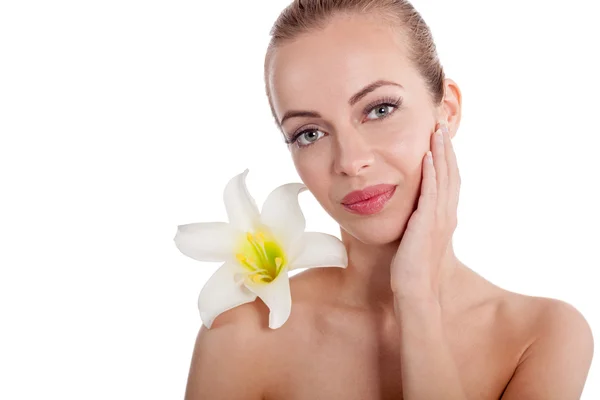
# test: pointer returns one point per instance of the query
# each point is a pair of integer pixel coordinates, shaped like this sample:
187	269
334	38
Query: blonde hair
302	16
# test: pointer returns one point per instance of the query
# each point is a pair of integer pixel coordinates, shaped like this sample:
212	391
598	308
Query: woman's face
345	138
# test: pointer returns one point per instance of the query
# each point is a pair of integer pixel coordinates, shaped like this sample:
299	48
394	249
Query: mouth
370	200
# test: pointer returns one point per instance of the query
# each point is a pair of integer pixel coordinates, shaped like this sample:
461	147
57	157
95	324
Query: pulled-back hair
303	16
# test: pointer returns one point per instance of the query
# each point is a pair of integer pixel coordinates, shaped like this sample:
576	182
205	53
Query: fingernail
429	157
439	135
444	127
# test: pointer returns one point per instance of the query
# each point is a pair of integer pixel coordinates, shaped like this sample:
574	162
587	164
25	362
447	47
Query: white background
122	119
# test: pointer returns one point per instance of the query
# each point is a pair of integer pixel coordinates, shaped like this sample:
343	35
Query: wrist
410	309
415	293
416	299
421	299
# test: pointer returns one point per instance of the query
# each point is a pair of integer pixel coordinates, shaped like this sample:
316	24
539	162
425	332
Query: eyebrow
352	101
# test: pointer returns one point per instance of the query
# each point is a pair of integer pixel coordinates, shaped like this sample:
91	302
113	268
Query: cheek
403	145
312	169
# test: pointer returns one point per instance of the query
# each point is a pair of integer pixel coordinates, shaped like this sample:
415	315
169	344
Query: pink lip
369	200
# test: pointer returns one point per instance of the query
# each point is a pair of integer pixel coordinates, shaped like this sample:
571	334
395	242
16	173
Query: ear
450	109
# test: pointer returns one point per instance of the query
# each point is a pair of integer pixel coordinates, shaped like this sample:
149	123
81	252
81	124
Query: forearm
428	368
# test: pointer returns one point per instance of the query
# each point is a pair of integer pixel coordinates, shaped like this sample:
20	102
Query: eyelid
301	131
395	102
385	100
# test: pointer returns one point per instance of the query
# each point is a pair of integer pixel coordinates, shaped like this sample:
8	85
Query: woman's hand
415	268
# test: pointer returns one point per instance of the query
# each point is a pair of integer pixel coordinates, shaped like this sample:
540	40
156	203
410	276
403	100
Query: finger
453	175
441	173
428	197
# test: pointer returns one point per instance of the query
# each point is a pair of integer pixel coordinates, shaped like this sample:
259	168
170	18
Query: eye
381	111
307	137
382	108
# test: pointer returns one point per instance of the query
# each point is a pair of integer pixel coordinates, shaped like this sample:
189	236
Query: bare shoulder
236	357
557	347
560	323
226	356
544	316
554	315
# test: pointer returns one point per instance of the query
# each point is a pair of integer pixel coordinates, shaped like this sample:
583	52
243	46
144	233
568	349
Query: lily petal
221	293
241	207
281	212
277	296
206	241
315	249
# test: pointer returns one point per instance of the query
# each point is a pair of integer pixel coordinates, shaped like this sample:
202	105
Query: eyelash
384	101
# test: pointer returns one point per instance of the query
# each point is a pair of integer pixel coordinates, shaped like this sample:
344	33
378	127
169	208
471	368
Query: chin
385	226
375	230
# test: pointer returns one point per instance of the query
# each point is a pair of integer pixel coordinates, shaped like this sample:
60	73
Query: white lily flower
258	251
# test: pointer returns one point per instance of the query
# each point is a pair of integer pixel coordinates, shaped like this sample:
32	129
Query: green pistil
262	256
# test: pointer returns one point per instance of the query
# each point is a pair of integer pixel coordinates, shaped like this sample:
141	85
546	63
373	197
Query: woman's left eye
381	111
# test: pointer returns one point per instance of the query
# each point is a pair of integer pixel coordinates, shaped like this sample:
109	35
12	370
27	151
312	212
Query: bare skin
343	339
332	349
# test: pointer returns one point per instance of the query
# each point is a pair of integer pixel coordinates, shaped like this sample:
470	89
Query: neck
366	280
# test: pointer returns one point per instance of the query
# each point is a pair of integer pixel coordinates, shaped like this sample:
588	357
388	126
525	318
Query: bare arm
428	369
224	365
556	364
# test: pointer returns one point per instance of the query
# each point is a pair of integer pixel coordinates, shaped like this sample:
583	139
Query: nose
352	154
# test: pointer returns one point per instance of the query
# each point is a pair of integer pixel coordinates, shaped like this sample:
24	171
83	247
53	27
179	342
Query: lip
370	200
366	193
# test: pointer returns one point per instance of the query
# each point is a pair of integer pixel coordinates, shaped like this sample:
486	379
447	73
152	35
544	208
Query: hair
304	16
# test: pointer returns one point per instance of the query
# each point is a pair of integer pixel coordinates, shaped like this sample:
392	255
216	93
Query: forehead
348	54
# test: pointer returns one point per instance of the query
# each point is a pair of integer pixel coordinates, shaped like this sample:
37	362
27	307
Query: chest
368	366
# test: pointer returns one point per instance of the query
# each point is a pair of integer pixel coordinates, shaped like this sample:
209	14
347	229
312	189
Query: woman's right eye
307	137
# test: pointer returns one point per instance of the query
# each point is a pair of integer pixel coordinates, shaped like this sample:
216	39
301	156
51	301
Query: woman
358	92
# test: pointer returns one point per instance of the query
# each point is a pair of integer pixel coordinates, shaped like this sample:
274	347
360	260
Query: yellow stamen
247	261
252	262
261	255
